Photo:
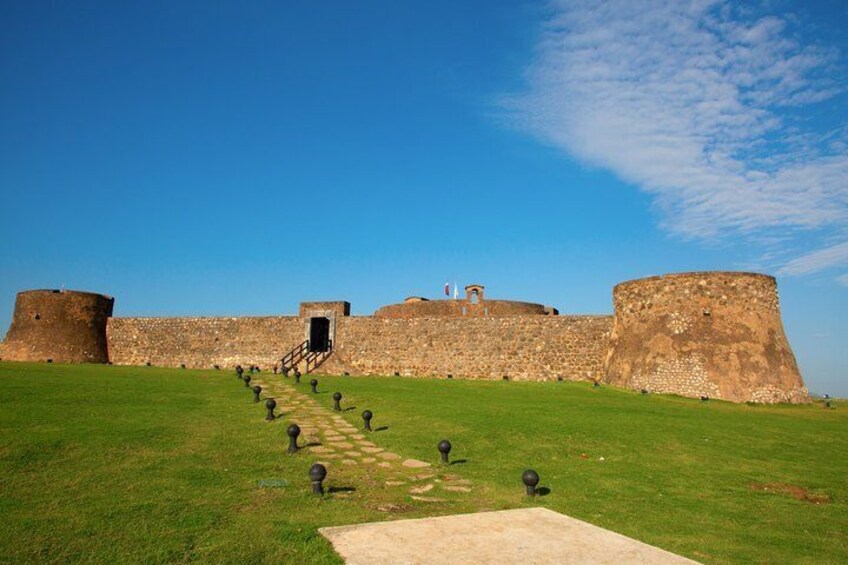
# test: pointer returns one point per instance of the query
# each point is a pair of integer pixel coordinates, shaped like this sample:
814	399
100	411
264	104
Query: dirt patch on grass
796	492
389	507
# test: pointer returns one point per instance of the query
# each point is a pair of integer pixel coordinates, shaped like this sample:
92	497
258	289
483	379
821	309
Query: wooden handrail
293	357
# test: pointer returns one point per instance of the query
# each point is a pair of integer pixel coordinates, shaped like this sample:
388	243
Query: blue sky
237	158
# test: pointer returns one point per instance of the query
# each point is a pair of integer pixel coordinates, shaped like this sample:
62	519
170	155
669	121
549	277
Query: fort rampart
533	348
715	334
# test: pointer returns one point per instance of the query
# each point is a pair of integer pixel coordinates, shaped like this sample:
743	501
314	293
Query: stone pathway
526	535
333	441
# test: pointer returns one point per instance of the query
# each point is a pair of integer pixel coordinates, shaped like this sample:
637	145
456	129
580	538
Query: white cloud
842	279
819	260
700	106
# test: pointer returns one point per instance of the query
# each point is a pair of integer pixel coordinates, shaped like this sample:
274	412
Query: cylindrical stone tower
65	326
712	334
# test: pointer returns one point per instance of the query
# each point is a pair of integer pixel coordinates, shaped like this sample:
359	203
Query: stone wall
63	326
338	307
703	334
524	348
695	334
534	348
203	342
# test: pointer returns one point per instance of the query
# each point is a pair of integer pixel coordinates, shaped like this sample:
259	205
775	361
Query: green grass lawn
142	464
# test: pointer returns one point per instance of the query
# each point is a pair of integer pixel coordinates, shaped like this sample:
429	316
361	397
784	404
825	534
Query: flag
447	289
455	291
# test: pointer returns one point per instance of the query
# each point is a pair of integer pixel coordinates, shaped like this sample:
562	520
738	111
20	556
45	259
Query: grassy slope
146	464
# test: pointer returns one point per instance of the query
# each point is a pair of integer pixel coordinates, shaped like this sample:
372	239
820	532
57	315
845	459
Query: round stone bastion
63	326
711	334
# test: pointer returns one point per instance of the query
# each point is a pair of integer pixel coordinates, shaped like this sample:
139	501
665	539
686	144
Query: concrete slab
529	535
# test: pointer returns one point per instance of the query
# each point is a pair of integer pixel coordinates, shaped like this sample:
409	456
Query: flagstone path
334	441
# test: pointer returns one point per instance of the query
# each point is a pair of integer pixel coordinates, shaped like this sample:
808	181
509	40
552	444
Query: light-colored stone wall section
529	348
716	334
203	342
523	348
338	307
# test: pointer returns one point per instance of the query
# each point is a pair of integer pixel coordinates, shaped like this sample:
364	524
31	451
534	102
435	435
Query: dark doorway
319	334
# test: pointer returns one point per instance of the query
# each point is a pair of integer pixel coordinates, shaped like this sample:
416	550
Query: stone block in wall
339	307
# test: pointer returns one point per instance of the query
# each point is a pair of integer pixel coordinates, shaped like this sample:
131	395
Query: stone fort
707	334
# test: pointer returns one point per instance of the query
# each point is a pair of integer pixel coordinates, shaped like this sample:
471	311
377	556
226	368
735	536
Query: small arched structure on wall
474	293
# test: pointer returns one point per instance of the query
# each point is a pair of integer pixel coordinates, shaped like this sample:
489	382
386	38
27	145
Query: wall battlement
709	334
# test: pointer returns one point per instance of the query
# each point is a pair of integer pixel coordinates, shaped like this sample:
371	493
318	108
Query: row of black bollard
318	472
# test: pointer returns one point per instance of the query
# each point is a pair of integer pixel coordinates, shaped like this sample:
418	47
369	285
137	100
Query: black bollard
366	417
314	383
296	377
704	398
270	404
239	371
293	431
531	479
444	448
182	365
317	474
337	396
450	376
256	390
247	381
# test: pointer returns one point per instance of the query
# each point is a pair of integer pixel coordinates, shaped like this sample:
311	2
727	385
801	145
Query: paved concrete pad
530	535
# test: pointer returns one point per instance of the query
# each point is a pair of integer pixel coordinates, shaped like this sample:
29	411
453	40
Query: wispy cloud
703	106
833	256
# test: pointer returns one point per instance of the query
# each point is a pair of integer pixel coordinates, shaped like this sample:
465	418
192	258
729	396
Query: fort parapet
694	334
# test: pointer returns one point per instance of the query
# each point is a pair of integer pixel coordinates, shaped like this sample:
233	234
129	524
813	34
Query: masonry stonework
712	334
202	342
694	334
522	348
63	326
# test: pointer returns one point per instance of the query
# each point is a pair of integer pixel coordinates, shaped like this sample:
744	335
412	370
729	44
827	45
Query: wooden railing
293	357
315	358
301	351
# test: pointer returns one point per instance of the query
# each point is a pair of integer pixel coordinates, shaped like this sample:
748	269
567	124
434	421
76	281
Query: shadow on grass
458	462
331	490
543	491
312	444
381	429
348	409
